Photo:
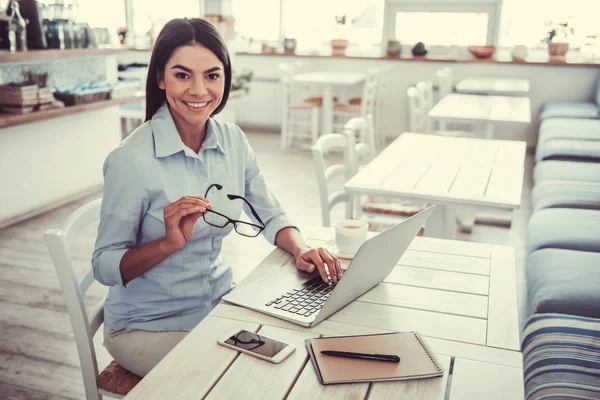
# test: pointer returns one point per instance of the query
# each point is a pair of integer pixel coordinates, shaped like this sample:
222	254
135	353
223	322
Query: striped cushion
561	357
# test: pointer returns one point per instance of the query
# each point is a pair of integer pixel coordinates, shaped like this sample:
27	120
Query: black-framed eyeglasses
257	341
218	220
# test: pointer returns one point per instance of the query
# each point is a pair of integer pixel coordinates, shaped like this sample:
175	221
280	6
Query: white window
526	22
258	20
442	22
315	29
150	16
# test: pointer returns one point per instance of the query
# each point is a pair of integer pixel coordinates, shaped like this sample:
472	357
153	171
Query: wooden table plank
494	86
446	262
309	387
503	326
439	176
425	244
334	328
416	389
194	365
406	175
475	380
441	301
437	279
262	379
471	180
445	326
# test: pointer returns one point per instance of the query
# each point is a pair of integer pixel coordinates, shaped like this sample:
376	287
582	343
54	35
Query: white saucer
332	248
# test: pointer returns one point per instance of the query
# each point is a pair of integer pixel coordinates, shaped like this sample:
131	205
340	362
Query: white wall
547	83
54	161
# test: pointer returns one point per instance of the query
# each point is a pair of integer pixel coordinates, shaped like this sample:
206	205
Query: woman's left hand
307	259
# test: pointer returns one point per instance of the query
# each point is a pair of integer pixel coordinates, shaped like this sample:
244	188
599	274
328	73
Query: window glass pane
451	28
314	30
526	22
256	19
152	15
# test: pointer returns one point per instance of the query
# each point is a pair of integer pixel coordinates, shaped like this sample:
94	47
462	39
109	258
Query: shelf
502	57
8	120
54	54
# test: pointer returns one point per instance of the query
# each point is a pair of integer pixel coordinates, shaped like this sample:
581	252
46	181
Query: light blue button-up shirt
149	170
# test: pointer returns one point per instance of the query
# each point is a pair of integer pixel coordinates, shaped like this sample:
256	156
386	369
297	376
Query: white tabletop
461	296
330	78
447	170
471	107
498	86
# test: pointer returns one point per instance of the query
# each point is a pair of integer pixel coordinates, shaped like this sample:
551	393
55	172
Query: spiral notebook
416	358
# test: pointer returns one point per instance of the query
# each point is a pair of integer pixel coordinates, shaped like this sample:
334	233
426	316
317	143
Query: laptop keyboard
305	299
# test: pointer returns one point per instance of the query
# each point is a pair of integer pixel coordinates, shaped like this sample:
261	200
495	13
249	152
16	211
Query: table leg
442	224
327	115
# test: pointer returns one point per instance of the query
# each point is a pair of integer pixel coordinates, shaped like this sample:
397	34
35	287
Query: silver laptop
306	300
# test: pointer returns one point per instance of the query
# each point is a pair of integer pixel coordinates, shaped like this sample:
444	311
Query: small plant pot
338	46
558	49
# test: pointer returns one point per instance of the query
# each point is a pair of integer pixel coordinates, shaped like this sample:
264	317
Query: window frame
492	8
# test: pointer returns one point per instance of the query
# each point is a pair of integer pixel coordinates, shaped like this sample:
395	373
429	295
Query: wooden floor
38	356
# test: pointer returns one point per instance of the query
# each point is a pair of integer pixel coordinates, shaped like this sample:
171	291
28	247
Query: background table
488	110
493	86
462	296
326	80
447	171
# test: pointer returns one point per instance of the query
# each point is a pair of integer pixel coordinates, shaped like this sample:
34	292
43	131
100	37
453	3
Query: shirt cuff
109	271
274	226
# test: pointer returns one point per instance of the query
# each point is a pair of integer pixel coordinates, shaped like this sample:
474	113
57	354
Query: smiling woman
160	258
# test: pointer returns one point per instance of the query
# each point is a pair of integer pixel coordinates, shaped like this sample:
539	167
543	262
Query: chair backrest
363	132
368	103
59	242
415	111
444	80
327	143
385	88
294	92
425	90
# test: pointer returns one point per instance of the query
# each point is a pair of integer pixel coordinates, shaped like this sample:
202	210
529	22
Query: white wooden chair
326	144
301	108
425	92
416	112
114	381
300	118
359	107
445	82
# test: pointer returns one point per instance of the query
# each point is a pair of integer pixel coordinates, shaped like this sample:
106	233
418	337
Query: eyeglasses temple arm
233	196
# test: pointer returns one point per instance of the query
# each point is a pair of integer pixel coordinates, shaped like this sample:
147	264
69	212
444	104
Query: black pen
349	354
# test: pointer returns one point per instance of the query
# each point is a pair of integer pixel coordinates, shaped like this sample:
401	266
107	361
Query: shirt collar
167	140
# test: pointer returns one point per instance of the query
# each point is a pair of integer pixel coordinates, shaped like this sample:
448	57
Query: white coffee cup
350	235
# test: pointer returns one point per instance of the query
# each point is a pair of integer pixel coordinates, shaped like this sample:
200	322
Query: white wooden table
488	110
326	80
447	171
493	86
462	296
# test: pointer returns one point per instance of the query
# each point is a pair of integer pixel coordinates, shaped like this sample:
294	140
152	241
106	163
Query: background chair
327	175
114	381
359	107
444	82
301	109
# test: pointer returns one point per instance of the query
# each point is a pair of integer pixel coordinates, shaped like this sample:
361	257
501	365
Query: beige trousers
139	351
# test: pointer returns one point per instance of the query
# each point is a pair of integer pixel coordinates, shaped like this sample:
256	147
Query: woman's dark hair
176	33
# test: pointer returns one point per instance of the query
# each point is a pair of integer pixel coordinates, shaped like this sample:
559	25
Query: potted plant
340	42
557	36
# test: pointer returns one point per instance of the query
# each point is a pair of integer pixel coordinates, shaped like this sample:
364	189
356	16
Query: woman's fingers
175	215
174	207
330	262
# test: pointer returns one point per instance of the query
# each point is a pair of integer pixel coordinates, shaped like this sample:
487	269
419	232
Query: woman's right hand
180	218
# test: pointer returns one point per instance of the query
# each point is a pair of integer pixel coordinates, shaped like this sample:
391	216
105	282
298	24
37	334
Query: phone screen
256	343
